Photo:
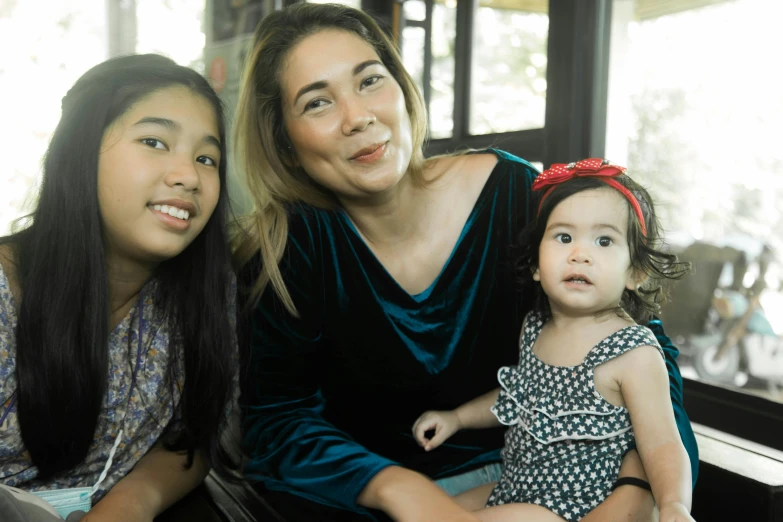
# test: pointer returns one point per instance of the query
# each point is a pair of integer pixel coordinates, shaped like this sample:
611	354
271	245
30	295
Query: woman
381	283
117	352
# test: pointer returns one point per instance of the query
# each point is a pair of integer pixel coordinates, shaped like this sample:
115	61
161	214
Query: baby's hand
674	512
445	424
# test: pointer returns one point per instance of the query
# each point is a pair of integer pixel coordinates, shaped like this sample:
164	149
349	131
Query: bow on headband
587	168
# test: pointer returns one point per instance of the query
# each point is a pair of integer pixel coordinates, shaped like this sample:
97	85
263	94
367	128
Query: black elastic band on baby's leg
632	481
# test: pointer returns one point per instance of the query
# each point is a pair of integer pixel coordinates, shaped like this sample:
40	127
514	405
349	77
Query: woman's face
345	115
158	179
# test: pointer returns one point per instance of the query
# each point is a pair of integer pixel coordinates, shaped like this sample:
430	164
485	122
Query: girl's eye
315	104
604	241
206	160
154	143
563	238
371	80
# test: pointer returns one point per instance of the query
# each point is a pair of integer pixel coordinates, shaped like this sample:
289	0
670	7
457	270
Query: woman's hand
407	496
445	424
674	512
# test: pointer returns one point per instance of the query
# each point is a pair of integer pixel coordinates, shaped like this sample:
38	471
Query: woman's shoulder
509	161
486	164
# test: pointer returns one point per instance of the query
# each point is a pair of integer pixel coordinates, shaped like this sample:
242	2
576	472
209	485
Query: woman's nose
357	117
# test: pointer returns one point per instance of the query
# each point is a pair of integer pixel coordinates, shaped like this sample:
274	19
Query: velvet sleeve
289	444
675	389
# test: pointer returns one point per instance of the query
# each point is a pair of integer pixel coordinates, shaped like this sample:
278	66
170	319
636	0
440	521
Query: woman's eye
315	104
154	143
371	80
604	241
563	238
206	160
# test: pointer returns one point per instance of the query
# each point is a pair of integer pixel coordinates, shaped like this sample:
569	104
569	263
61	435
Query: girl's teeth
172	211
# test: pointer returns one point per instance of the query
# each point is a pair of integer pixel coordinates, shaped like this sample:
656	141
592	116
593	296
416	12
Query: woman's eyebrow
362	66
321	84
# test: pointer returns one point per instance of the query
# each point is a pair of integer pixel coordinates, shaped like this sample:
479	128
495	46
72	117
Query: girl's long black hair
648	255
63	329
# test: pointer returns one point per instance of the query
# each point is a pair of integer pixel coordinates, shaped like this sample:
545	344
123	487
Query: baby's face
584	259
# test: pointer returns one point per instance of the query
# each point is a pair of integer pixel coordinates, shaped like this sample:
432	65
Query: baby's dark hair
647	253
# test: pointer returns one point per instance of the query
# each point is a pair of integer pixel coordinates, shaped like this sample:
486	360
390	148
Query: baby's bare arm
473	414
644	383
476	413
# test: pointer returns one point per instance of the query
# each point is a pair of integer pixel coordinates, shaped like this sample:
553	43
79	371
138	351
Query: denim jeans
469	480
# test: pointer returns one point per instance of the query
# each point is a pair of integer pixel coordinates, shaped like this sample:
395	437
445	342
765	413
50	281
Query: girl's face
584	259
345	115
158	180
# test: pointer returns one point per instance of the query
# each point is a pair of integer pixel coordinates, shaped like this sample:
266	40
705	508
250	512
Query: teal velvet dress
331	395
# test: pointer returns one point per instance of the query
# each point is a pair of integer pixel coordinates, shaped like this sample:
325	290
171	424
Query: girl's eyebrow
174	126
559	225
596	226
608	225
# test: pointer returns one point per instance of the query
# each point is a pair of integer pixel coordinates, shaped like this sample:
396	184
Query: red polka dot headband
587	168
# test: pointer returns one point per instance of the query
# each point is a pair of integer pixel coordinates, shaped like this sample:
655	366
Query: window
174	28
695	114
52	48
481	66
508	85
44	52
431	60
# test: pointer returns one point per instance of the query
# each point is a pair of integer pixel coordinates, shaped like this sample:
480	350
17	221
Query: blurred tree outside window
508	84
508	87
694	113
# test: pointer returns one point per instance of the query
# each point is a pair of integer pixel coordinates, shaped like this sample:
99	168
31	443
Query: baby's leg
476	498
517	513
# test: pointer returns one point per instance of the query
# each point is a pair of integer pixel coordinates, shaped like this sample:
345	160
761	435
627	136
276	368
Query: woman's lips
370	154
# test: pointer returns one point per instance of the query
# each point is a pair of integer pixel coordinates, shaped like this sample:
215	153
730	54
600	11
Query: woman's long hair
60	264
263	150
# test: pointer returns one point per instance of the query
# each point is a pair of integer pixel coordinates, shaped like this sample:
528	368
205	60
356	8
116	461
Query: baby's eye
563	238
154	143
604	241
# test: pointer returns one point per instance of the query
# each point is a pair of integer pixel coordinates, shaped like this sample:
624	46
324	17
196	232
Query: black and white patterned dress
566	442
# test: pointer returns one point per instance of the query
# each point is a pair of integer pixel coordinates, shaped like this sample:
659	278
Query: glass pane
444	23
444	30
173	28
508	87
413	53
53	44
697	120
414	10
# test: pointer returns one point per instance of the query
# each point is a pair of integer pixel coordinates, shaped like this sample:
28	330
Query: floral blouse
143	417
